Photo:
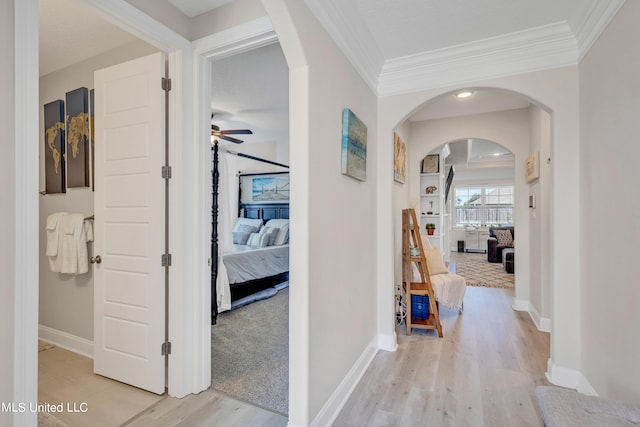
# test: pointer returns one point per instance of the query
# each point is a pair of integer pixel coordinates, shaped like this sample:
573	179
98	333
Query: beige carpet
477	271
250	353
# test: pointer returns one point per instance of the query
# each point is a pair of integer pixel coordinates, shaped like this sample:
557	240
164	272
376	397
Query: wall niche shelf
433	202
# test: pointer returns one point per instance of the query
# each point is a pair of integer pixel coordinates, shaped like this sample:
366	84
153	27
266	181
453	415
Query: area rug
250	353
477	271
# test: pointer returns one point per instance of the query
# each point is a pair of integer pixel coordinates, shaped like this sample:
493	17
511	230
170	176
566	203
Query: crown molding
595	23
536	49
540	48
353	39
242	38
134	21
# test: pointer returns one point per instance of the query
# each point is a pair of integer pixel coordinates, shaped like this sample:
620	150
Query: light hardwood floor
66	377
482	373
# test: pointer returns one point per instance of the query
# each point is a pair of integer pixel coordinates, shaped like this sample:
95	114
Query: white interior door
129	280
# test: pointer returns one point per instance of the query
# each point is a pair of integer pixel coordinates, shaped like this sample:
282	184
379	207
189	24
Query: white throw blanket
449	288
67	237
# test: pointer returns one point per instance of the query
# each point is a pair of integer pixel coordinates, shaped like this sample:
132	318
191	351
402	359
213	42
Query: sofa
508	261
494	248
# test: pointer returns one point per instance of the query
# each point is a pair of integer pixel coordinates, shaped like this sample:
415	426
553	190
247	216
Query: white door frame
189	276
26	286
242	38
183	377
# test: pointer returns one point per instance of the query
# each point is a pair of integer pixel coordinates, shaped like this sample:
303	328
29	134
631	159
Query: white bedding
248	263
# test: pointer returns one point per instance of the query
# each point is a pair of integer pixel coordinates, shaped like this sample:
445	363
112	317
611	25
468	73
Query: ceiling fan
223	134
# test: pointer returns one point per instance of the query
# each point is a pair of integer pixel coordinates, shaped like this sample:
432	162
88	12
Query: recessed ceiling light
464	94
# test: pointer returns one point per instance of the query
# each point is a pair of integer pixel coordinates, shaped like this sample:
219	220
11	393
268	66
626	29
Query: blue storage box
420	306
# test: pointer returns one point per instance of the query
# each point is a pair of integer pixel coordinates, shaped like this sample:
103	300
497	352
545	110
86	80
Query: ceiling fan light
464	94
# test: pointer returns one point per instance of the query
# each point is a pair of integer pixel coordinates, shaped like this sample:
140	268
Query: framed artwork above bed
266	188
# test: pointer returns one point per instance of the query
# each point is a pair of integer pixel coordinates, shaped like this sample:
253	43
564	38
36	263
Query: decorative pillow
426	244
271	233
240	237
415	273
435	263
244	228
283	230
282	238
255	223
258	240
504	238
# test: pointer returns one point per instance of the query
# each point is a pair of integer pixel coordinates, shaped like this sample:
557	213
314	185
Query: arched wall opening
478	164
554	111
510	129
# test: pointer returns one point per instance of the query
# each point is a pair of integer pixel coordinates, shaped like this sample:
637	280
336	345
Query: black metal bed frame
251	286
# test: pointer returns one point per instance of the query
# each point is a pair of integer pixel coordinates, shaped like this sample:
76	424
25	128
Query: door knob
95	259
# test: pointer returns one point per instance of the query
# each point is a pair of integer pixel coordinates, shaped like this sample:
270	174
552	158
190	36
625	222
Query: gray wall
333	219
609	175
66	301
539	219
222	18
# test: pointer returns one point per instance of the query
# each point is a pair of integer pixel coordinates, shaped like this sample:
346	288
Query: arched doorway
523	128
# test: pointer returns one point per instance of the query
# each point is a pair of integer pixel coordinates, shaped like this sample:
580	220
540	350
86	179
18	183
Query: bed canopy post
214	234
215	252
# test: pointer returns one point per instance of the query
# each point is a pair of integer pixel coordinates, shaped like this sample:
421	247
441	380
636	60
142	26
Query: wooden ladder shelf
411	240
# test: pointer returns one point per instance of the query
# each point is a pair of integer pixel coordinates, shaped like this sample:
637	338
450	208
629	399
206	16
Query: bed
251	269
260	256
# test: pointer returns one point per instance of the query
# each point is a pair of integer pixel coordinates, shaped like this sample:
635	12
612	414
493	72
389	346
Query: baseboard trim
520	305
569	378
65	340
336	402
388	342
542	323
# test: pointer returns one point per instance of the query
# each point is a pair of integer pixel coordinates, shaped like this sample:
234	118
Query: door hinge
166	172
165	348
166	84
166	260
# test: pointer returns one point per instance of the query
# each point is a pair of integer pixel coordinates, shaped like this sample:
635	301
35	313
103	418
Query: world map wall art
54	148
66	142
78	137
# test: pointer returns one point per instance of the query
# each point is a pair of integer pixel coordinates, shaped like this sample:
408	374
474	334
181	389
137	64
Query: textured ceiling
71	32
251	90
193	8
385	39
406	27
482	101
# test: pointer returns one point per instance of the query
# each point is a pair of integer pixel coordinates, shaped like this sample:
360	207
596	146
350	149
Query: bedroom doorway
250	154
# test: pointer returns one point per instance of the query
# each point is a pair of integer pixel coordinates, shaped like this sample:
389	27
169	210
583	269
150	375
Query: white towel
52	233
72	255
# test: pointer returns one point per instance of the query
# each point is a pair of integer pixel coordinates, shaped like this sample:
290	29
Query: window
484	205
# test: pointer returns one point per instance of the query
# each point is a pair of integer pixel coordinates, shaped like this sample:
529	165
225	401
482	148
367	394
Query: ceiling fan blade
231	139
237	131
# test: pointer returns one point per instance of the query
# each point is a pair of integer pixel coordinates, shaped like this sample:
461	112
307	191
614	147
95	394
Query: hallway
482	373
